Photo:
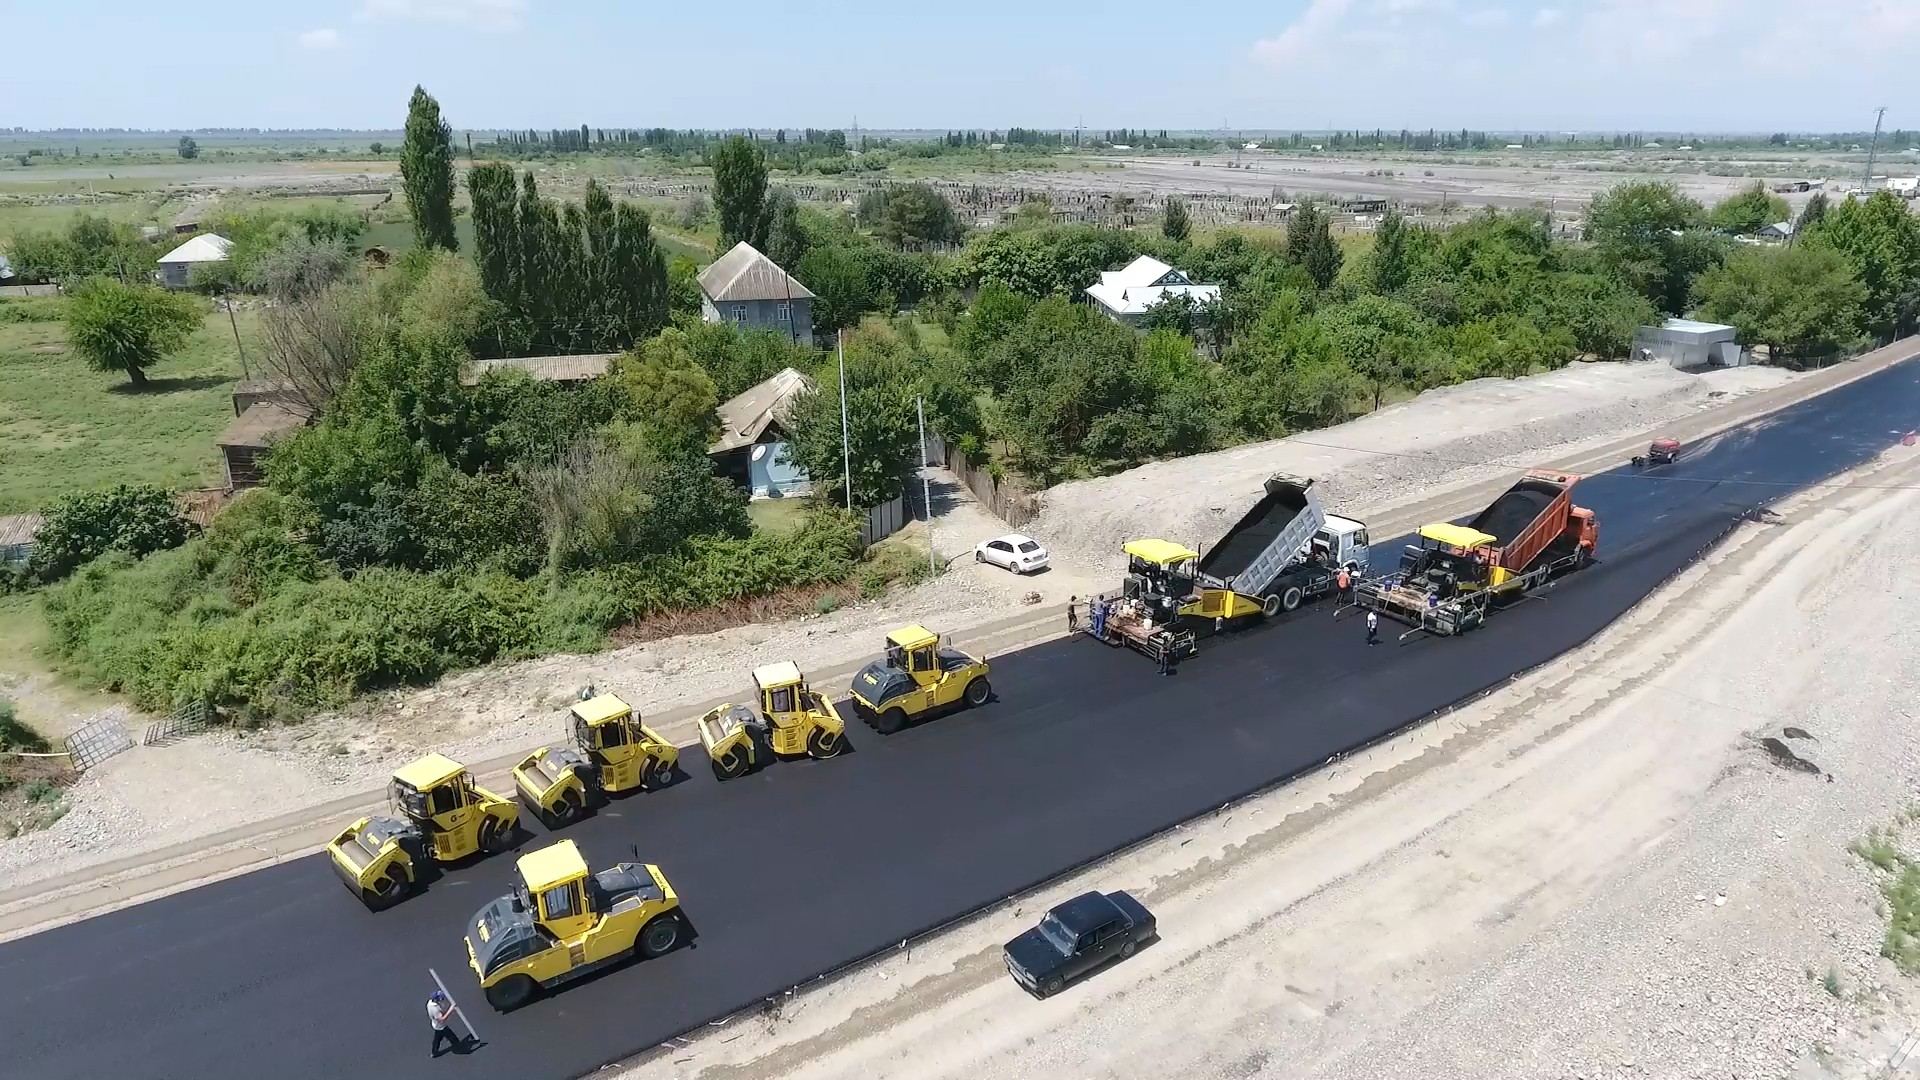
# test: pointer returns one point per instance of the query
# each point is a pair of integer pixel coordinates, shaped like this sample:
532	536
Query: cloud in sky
326	37
1322	21
475	14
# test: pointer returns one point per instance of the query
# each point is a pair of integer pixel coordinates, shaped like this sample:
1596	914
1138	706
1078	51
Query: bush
32	309
135	518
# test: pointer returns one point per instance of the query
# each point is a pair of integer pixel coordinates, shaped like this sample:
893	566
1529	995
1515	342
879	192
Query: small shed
1684	343
176	266
1779	230
250	392
17	533
252	433
577	368
752	448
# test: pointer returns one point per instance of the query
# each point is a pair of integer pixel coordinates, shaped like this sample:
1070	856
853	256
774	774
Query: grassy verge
64	427
1898	877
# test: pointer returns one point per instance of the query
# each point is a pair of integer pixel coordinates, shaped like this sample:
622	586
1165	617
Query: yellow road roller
561	922
612	753
439	816
917	677
793	720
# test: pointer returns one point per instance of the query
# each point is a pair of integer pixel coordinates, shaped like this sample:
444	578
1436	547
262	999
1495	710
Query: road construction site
799	870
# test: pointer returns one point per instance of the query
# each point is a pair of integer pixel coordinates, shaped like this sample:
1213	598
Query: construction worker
1373	628
1073	614
1344	582
440	1010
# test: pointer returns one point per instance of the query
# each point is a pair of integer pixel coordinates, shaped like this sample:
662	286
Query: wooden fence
1009	501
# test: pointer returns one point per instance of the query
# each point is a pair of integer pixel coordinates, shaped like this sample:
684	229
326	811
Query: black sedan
1076	937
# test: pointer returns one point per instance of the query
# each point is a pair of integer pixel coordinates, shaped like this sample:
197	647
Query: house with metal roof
1126	295
752	448
749	290
177	265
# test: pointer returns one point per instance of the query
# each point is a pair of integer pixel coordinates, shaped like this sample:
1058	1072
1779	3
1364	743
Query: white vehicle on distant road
1020	554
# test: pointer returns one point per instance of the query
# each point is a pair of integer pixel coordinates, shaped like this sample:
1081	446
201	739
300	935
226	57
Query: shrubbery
134	518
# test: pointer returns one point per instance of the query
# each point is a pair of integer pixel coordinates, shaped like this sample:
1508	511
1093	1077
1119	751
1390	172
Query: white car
1020	554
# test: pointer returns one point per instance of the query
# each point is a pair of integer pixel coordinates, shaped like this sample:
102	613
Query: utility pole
1866	182
227	300
846	445
926	485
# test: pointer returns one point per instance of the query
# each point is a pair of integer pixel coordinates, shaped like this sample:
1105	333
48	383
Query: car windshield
1029	547
1060	936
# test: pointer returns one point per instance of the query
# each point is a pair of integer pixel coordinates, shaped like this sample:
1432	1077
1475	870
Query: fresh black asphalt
810	865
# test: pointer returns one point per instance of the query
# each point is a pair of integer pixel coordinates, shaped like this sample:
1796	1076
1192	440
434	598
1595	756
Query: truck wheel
1290	600
824	744
730	766
511	992
658	936
890	721
978	691
659	775
1051	987
1270	605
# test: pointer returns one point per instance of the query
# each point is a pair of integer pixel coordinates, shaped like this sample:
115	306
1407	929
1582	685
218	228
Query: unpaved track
1591	873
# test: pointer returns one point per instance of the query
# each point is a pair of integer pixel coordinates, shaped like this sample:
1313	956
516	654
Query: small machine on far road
793	720
439	816
612	753
1660	452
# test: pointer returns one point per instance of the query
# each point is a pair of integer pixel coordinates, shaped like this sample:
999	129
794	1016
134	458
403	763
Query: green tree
1811	214
1752	209
917	214
1641	231
377	148
135	518
1310	245
843	288
1175	224
128	328
1376	336
787	239
668	391
188	148
740	191
1388	268
1804	299
883	437
426	172
1882	241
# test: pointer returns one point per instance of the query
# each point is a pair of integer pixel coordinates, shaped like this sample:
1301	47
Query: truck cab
1342	542
561	922
917	676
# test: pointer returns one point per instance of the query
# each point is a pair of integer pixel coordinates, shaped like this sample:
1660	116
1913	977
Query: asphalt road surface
809	865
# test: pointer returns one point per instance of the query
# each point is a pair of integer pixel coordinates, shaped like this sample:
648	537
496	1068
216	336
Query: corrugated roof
745	416
207	247
18	529
575	368
745	274
1134	289
261	426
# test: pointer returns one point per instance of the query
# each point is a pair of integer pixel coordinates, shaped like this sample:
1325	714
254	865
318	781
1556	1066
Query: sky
1548	65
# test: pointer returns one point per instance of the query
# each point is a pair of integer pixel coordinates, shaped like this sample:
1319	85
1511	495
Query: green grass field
65	427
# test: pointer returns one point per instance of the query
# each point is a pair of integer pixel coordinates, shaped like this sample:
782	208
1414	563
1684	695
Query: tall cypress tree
1175	225
426	172
740	192
1389	268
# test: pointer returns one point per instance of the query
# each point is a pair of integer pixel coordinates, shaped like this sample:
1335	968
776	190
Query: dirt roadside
1597	871
94	859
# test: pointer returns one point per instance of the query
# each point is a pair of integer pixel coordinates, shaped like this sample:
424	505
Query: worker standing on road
1073	614
440	1010
1344	582
1373	628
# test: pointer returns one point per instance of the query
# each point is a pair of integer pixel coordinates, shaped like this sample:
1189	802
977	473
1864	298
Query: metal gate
96	741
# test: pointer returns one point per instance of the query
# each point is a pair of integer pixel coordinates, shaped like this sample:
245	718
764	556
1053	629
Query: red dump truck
1447	582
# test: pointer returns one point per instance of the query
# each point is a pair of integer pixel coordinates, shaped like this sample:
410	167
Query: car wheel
979	556
1051	987
1127	950
890	721
510	993
659	936
978	691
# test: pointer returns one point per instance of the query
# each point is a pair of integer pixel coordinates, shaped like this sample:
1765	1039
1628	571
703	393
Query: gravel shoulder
1597	871
1407	453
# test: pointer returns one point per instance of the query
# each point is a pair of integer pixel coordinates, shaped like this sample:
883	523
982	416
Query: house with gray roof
749	290
752	449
